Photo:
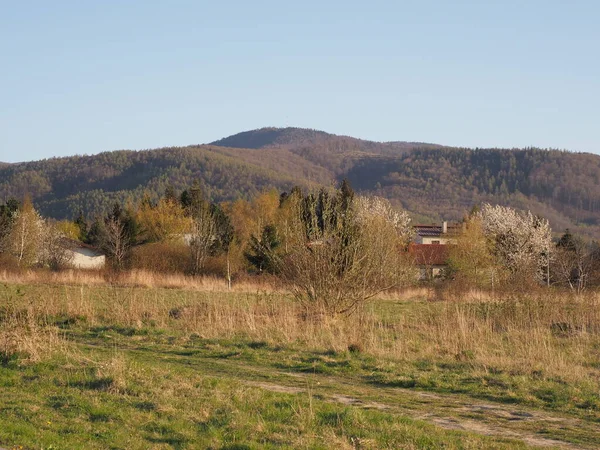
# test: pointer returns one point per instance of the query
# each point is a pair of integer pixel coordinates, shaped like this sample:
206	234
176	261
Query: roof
430	254
437	230
73	244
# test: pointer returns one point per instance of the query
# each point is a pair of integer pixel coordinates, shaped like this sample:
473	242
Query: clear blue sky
83	77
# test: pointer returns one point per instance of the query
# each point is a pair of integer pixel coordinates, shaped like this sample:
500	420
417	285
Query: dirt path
535	427
448	411
453	422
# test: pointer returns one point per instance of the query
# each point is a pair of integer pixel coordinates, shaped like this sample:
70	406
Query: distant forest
430	181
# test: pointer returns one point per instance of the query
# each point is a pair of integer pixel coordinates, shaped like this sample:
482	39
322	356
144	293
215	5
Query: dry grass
23	336
547	334
542	340
550	333
137	278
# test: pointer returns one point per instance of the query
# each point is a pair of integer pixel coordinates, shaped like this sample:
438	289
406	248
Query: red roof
430	254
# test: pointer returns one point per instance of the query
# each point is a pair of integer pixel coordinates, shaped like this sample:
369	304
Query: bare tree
54	252
202	237
116	240
470	258
573	263
345	258
26	234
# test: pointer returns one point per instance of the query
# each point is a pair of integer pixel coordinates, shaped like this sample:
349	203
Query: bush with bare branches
344	255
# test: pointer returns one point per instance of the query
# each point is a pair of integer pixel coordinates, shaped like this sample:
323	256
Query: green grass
152	380
164	399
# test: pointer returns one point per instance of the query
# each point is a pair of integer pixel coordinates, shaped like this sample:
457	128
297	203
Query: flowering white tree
521	241
369	208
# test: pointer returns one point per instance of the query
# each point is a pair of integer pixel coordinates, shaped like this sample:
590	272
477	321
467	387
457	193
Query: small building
437	234
84	256
431	259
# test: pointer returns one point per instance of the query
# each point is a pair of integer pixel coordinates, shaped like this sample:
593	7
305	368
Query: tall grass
25	334
137	278
548	333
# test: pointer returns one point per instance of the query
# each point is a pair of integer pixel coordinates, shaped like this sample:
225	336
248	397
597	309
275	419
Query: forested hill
302	137
431	181
60	187
326	150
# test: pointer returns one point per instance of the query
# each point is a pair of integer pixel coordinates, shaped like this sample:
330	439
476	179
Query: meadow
148	361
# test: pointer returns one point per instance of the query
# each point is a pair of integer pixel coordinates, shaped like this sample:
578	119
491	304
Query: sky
82	77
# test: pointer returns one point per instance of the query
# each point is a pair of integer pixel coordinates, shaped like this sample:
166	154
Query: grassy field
111	366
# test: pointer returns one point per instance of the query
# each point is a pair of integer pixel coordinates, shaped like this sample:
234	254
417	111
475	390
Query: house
432	259
437	234
83	256
431	248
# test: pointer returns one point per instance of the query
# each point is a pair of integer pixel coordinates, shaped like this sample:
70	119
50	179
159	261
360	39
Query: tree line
332	248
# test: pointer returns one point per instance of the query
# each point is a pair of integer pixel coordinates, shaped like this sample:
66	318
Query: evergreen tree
185	199
82	226
193	200
261	252
7	214
223	230
171	195
95	233
345	195
567	241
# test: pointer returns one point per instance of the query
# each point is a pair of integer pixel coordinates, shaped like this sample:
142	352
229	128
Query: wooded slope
431	181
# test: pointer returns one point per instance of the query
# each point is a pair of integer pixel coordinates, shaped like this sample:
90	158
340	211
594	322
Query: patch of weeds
405	382
355	348
160	433
219	418
145	406
96	384
328	352
178	312
64	322
336	418
458	366
465	355
593	364
10	359
495	382
564	329
99	415
424	365
255	345
590	404
123	331
60	401
554	396
226	354
187	352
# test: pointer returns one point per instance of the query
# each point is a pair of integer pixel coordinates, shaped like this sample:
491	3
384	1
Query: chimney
444	227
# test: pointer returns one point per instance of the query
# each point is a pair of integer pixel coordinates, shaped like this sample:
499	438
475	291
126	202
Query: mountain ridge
431	181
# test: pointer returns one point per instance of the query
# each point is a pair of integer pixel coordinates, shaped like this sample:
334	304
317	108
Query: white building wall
83	258
431	239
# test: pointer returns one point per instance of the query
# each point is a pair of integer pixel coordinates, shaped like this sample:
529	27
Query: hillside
330	151
431	181
60	187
